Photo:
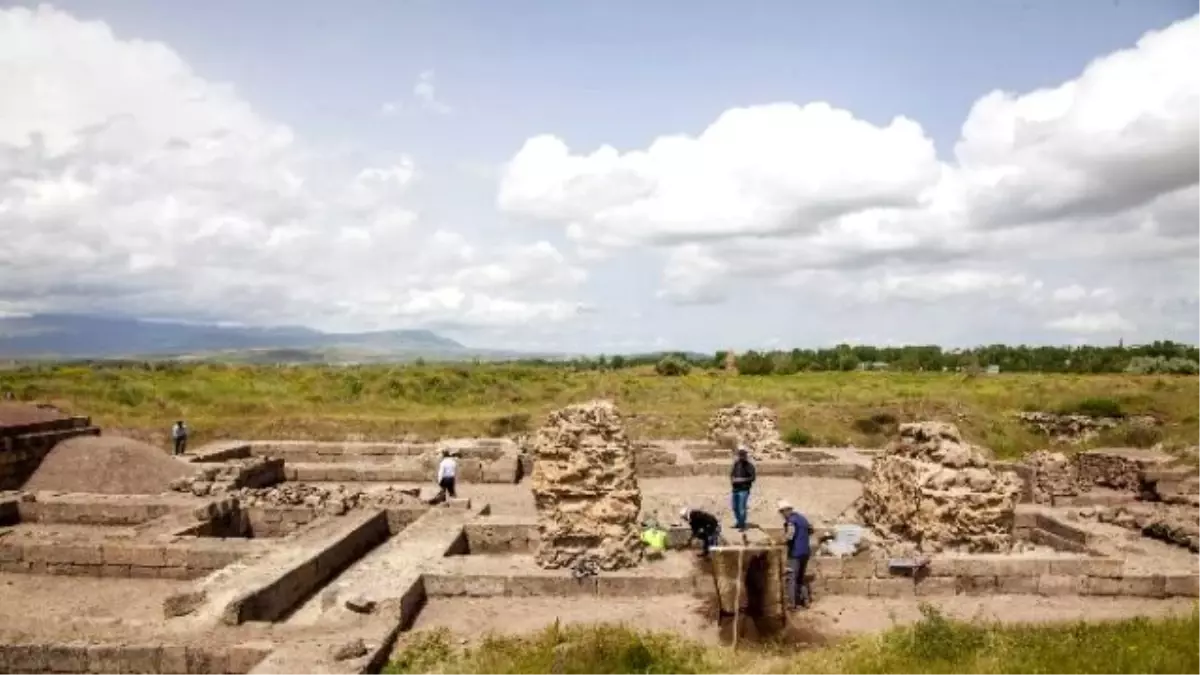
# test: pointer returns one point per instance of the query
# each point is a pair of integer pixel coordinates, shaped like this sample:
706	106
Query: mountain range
81	336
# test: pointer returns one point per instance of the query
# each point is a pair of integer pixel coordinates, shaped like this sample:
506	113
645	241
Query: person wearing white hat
797	531
705	527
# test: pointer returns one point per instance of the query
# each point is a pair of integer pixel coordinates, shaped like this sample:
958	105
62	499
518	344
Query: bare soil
107	465
65	607
818	498
19	414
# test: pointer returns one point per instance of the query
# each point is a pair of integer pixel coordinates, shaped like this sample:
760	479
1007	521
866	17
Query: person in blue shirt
797	531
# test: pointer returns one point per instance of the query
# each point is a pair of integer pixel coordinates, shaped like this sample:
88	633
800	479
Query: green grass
388	401
935	644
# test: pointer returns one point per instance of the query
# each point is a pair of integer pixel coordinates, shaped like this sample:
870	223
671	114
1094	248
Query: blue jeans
798	593
741	499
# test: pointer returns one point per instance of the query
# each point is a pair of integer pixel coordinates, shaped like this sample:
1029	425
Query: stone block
890	588
1059	585
847	586
936	586
643	586
859	568
244	656
1070	566
10	553
1101	586
484	586
1144	586
201	660
450	585
68	657
115	571
549	585
826	568
1018	585
1185	585
28	658
984	584
173	659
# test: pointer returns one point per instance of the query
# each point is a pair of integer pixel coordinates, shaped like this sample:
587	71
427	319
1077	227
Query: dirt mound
20	414
107	465
932	489
585	489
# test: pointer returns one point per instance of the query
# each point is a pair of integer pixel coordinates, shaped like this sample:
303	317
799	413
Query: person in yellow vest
655	539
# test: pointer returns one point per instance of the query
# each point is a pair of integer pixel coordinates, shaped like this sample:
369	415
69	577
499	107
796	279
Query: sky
607	177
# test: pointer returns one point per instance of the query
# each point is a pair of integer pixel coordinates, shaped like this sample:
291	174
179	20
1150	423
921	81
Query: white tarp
845	540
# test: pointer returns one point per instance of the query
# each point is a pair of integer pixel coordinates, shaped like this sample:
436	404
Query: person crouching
704	526
447	473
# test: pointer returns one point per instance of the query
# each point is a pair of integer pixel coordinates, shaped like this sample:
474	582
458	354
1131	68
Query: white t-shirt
447	468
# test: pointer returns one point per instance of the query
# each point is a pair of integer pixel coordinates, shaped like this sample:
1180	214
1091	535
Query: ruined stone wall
751	425
931	490
1051	475
22	447
585	489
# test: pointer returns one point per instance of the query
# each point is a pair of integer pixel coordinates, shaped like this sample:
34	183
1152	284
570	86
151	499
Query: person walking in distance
179	435
742	476
704	526
797	531
447	472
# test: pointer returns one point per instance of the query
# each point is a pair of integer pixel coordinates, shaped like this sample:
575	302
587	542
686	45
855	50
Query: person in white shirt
447	471
179	434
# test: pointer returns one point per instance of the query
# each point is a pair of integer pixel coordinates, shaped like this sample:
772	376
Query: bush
798	438
1094	407
602	648
1140	436
877	424
672	366
1157	365
509	424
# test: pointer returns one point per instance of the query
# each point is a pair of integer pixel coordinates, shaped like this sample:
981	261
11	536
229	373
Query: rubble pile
1066	429
336	500
933	490
751	425
228	476
585	490
1052	474
1118	468
1172	524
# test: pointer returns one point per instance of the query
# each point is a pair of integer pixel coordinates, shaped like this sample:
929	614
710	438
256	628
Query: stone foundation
22	447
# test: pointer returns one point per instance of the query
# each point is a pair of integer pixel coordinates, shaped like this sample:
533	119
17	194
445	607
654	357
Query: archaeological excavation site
270	556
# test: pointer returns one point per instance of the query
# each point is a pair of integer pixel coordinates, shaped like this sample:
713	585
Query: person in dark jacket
742	476
797	530
705	527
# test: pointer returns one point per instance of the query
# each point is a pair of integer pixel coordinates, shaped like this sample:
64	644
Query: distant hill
77	336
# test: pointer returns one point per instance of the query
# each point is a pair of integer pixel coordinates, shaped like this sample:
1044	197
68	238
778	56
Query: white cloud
773	169
426	95
1089	188
391	108
129	183
1096	322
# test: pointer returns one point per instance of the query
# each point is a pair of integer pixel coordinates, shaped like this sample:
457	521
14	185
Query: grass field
933	645
386	402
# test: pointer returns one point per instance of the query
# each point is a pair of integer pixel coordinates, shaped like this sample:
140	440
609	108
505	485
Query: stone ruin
585	489
1074	429
748	424
1051	475
934	491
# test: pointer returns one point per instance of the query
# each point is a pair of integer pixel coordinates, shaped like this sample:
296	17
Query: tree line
1162	357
